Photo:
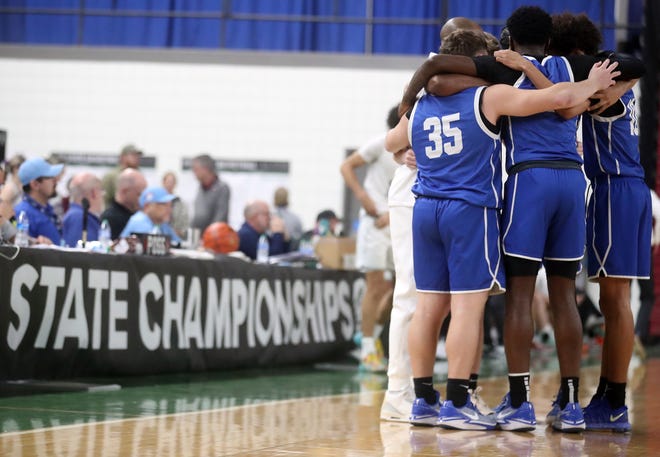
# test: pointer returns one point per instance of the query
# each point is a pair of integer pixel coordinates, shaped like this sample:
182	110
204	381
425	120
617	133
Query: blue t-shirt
458	153
43	220
140	223
72	225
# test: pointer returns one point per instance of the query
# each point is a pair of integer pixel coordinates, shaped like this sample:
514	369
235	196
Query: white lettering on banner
118	309
25	275
76	326
99	280
283	315
192	321
73	321
299	333
52	278
310	311
239	309
265	296
149	285
218	322
344	294
176	311
173	312
250	322
331	308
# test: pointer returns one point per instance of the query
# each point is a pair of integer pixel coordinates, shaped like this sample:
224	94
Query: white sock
368	345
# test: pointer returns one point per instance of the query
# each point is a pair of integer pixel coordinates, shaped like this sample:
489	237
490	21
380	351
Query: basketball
220	238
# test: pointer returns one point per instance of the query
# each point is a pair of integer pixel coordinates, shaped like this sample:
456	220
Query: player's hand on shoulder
511	59
603	73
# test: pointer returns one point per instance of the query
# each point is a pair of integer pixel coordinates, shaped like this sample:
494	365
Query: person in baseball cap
37	168
154	215
39	180
155	195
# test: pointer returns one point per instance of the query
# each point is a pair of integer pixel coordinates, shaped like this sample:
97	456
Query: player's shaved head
458	23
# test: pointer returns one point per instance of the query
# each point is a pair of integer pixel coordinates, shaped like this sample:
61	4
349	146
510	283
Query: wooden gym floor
327	410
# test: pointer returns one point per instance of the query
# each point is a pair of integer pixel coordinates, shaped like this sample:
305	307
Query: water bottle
307	247
23	230
105	236
262	249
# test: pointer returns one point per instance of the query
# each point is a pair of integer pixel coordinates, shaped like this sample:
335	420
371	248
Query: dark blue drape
204	23
38	28
406	39
298	35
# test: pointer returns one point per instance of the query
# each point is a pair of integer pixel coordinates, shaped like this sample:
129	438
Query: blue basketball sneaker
570	419
466	417
425	414
599	415
521	419
554	411
506	402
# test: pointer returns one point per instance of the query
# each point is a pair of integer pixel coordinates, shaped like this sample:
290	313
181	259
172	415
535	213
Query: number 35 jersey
458	151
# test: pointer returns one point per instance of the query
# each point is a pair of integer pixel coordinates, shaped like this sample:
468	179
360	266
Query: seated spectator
39	179
258	221
291	220
130	185
326	225
83	185
129	157
179	220
156	206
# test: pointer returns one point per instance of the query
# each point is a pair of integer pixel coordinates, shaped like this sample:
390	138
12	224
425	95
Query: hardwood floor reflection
343	425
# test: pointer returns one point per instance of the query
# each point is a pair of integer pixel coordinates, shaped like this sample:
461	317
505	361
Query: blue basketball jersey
458	157
542	136
610	144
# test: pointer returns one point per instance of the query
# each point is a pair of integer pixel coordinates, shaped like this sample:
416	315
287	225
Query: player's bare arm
438	64
500	100
445	85
397	138
610	96
517	61
347	170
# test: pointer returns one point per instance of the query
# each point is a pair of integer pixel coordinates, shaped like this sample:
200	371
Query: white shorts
373	250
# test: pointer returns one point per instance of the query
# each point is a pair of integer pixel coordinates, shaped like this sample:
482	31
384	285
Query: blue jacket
72	225
249	238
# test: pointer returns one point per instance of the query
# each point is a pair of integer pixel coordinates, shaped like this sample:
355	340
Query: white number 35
438	128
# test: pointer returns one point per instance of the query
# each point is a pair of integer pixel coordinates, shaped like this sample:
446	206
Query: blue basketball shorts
543	216
619	225
456	247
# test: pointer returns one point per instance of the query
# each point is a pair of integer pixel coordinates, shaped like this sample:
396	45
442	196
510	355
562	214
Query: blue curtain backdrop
345	26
